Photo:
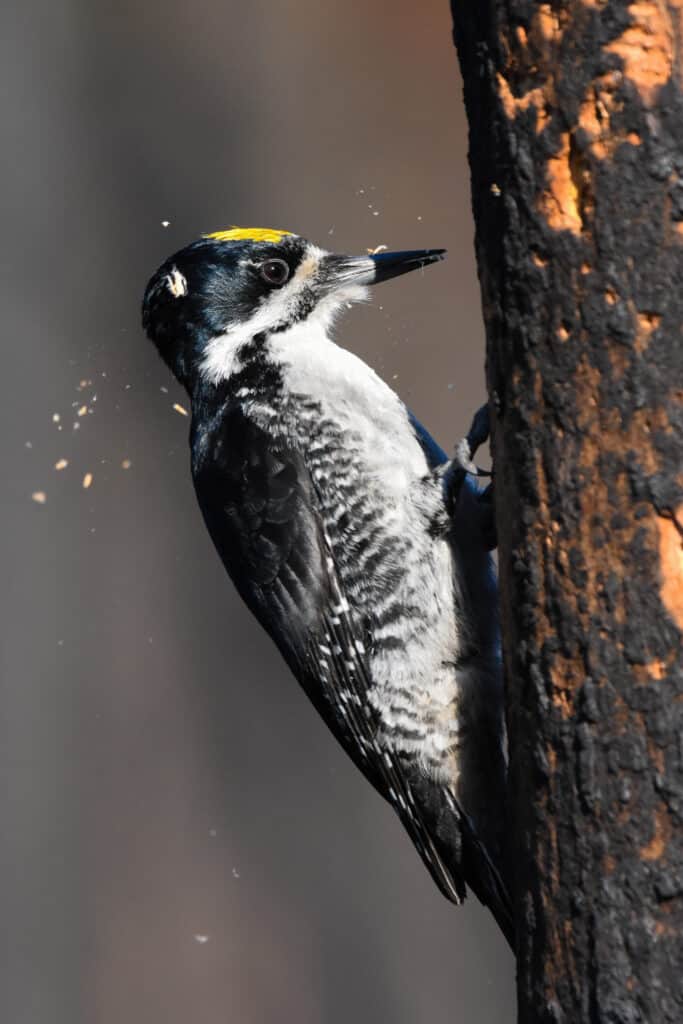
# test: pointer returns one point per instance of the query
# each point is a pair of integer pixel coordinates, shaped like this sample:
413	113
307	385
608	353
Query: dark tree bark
576	149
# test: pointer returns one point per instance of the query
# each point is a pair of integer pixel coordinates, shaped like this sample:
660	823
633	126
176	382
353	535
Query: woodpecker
358	545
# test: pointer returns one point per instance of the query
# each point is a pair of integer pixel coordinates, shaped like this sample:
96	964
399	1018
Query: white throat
223	356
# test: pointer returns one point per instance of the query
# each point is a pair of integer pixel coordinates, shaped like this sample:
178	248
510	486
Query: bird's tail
459	856
486	882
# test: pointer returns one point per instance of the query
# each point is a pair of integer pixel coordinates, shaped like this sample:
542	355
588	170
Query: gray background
162	778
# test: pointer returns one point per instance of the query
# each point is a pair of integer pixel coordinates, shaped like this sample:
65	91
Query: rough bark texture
576	150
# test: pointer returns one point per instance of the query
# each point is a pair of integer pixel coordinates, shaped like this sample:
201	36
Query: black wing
260	506
434	453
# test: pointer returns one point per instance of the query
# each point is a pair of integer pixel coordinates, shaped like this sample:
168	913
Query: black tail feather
485	881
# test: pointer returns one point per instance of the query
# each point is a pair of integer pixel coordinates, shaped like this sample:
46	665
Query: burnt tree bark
576	149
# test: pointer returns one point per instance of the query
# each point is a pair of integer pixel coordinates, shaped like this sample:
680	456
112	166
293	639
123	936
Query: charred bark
576	149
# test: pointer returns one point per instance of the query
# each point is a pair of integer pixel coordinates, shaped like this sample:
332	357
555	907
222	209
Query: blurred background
182	839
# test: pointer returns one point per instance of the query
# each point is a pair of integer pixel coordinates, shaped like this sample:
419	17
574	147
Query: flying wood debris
179	408
87	480
61	464
40	497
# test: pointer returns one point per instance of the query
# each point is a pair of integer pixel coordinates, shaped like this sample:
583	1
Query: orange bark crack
514	105
652	670
646	325
601	101
656	755
609	864
546	24
646	48
602	435
655	849
560	200
671	565
538	46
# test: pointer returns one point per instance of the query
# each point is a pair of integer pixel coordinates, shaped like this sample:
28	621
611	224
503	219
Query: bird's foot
465	450
479	432
462	463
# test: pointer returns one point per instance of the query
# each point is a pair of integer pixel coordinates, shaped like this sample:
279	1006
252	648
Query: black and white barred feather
358	582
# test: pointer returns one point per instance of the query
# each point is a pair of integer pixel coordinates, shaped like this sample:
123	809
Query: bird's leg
465	450
479	431
461	464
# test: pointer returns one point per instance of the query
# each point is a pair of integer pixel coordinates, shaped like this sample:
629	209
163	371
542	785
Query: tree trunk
576	150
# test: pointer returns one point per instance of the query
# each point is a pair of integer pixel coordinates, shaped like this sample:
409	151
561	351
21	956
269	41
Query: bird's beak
340	271
391	264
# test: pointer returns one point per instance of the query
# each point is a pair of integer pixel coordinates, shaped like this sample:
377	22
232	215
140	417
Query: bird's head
231	286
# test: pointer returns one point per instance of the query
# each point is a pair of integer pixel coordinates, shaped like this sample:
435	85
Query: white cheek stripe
221	359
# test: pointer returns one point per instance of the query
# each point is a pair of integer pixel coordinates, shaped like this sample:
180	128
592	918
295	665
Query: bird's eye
274	272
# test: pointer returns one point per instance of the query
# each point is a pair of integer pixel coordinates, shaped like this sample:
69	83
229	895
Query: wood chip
87	480
82	411
126	464
179	408
56	417
40	497
61	464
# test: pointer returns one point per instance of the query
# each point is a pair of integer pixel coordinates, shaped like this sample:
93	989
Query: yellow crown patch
249	235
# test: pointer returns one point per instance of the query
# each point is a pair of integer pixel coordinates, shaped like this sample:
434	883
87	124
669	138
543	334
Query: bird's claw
479	432
465	450
463	457
463	463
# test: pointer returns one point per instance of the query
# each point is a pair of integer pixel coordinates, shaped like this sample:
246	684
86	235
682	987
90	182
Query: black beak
340	271
391	264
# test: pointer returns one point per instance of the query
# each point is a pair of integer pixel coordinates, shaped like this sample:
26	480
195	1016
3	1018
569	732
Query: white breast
415	688
352	394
